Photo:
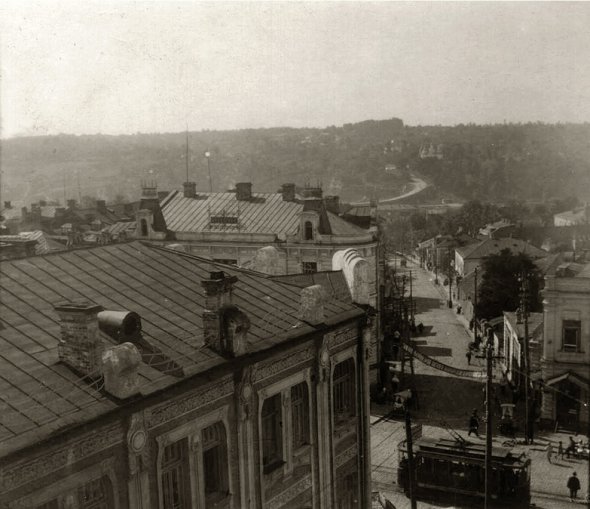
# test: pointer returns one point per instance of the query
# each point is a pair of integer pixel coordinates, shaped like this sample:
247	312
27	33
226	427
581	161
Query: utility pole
186	156
475	306
411	471
208	156
488	466
523	317
450	279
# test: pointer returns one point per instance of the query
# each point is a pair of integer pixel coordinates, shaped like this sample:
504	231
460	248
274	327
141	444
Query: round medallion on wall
138	440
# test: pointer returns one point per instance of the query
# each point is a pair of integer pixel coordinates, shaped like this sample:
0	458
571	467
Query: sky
125	67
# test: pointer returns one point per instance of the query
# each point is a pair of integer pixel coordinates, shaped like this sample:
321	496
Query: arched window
144	228
308	230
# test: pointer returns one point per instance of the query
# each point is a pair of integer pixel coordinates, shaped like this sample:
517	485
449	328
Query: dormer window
308	230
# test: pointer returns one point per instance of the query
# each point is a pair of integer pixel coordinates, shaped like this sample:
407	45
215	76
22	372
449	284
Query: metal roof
39	395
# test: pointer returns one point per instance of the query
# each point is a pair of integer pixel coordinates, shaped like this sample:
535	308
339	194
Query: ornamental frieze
172	409
342	336
275	366
59	456
290	493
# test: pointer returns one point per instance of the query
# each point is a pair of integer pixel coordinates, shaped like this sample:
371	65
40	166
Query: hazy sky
124	67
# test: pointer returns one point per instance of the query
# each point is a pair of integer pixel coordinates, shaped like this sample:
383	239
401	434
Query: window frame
308	233
278	416
306	268
192	430
571	325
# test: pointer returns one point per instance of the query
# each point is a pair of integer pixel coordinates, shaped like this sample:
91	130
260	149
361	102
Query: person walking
473	424
468	355
573	483
560	450
549	452
571	448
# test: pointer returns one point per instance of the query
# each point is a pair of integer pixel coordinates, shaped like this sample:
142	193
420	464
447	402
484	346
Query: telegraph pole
411	476
208	156
475	307
523	317
488	466
450	279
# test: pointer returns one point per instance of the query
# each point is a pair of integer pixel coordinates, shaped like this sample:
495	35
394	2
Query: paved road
446	400
417	185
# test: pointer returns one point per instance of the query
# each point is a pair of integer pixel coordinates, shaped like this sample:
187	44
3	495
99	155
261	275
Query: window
571	335
308	230
272	440
300	415
175	479
95	494
344	406
144	228
309	267
215	461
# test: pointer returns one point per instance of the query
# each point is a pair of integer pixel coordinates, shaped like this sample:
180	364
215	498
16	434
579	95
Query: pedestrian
560	450
571	448
549	452
468	355
573	483
473	424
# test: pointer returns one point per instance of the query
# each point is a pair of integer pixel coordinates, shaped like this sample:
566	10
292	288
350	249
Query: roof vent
311	305
190	189
120	325
120	368
244	191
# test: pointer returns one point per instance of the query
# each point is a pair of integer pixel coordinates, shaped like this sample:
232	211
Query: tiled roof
44	244
122	226
265	213
494	246
39	395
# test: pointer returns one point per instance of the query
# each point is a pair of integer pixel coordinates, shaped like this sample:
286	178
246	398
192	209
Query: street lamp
208	155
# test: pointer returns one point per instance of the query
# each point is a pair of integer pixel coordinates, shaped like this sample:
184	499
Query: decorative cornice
274	366
175	408
341	336
60	456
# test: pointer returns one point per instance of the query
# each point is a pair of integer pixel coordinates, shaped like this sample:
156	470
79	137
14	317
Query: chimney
288	192
60	211
224	325
244	191
120	365
80	346
149	190
332	204
24	212
7	205
42	203
101	206
35	210
190	189
71	204
311	305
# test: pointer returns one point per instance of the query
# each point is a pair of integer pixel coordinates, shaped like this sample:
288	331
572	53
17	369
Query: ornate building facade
139	377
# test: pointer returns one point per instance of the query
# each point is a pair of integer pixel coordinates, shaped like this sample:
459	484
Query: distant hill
500	162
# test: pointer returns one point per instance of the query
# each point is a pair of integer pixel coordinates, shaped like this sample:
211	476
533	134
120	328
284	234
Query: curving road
417	185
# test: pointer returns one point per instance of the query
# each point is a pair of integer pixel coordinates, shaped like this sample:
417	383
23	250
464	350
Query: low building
577	216
135	376
565	362
469	257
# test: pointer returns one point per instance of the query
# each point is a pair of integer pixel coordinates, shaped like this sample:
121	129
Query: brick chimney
224	325
120	365
244	191
332	203
80	346
190	189
311	304
288	192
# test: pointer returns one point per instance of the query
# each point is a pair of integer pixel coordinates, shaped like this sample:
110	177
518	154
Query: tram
454	470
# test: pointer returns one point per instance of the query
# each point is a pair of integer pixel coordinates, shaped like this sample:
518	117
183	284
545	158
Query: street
445	402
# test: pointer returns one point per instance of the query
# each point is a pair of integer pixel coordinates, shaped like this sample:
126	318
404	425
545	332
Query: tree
499	289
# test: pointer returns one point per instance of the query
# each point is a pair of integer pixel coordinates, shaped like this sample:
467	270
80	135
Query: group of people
570	450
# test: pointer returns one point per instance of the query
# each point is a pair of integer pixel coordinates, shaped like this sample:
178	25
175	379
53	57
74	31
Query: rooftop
494	246
40	395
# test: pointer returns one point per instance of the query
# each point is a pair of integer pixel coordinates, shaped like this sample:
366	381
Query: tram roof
468	449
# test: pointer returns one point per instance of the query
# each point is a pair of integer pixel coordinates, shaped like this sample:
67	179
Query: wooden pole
488	462
411	472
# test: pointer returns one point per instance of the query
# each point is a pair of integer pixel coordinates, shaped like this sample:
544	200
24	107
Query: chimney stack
120	365
244	191
288	192
80	346
7	205
225	326
311	305
332	203
42	203
190	189
71	204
